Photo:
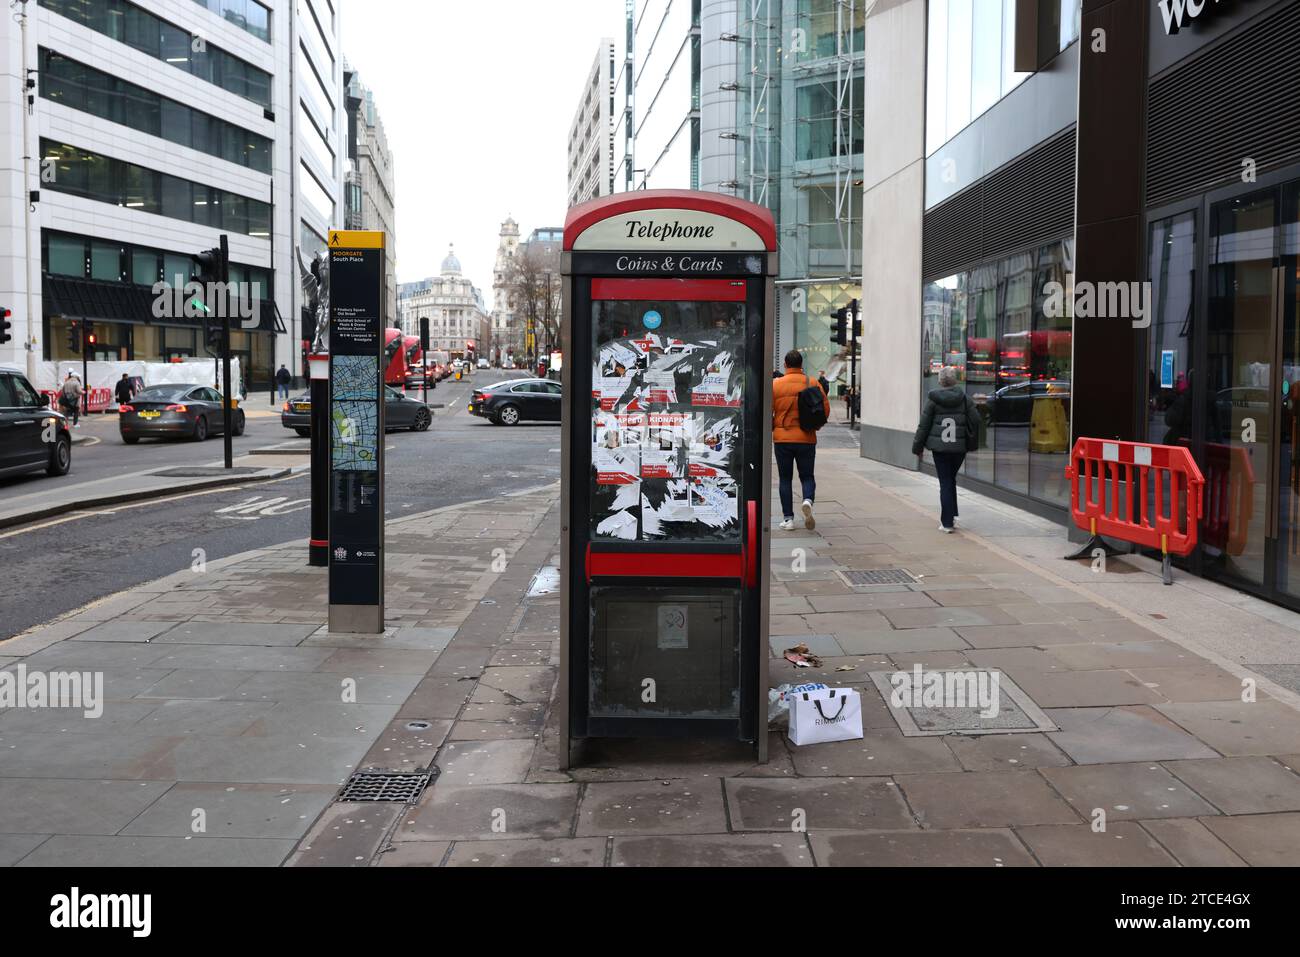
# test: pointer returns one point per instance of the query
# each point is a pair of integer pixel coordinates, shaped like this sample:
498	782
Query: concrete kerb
1274	690
137	495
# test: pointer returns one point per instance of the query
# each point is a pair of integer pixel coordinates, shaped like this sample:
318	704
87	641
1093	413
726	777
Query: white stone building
458	322
370	184
507	339
591	134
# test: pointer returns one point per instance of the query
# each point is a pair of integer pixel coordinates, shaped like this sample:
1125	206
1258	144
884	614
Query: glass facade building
799	146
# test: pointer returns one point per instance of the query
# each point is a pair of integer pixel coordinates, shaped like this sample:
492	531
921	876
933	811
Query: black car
518	400
32	435
400	412
172	411
1014	404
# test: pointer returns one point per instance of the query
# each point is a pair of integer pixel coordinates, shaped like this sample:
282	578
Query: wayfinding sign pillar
356	432
667	344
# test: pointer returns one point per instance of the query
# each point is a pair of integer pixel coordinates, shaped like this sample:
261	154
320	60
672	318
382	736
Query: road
62	564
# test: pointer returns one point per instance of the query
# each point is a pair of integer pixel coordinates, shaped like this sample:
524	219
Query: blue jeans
788	454
284	390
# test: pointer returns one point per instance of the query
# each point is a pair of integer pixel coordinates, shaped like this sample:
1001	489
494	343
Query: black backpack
812	406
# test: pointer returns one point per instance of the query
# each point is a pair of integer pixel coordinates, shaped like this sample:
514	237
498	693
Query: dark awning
99	301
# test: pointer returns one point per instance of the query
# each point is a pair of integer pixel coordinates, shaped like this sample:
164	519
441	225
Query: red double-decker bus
394	358
414	360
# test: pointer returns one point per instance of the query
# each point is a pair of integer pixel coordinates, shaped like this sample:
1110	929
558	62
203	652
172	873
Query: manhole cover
396	786
877	576
958	701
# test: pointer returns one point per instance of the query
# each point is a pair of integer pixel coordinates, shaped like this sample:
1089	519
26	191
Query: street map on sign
354	432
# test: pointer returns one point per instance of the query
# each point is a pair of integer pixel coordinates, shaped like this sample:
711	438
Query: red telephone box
667	338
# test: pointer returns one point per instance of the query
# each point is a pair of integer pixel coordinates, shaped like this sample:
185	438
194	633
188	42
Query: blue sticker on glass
651	319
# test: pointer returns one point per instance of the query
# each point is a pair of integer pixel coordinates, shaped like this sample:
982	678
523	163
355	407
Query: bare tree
533	283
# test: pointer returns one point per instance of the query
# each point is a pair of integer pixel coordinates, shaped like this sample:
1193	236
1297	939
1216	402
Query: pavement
1154	724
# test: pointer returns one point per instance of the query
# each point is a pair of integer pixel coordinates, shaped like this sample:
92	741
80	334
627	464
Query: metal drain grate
877	576
396	786
935	701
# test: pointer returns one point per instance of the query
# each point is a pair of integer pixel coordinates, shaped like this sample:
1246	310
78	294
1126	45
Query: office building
370	183
458	321
155	126
591	134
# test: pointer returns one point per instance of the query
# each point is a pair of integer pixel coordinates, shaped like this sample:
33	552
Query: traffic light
839	331
5	326
88	331
210	270
74	336
857	319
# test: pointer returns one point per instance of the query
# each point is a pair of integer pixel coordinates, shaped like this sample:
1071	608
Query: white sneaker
808	521
945	529
786	524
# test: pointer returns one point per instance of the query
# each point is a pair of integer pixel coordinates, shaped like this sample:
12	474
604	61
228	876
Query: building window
107	180
81	87
248	15
155	37
66	256
998	326
970	62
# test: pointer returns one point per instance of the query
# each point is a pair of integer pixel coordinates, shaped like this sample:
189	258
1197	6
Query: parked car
171	411
32	435
518	400
400	412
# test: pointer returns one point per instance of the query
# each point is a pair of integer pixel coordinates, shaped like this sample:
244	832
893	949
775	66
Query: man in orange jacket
792	444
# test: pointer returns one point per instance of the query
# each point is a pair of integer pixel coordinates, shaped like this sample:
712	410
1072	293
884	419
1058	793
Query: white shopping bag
831	714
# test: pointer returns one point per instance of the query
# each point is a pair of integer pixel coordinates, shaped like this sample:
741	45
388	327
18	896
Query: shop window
1170	268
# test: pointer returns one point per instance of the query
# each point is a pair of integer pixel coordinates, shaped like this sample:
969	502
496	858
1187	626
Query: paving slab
1122	844
14	847
134	851
234	633
1192	843
413	854
986	847
1079	689
1250	785
877	754
46	806
795	805
470	763
131	631
324	688
232	810
910	640
407	745
1239	728
1196	681
1127	792
1261	840
347	835
712	850
1006	752
500	812
1109	735
572	852
976	799
692	806
947	617
1015	636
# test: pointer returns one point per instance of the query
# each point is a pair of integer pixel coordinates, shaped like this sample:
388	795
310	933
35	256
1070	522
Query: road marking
258	507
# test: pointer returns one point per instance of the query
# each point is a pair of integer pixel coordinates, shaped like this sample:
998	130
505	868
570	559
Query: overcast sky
476	98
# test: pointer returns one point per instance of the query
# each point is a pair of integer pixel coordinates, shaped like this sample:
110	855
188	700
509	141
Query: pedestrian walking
122	391
949	428
70	398
282	379
799	408
824	382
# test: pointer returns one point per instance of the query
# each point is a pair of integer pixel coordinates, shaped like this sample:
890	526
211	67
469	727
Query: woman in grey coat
949	429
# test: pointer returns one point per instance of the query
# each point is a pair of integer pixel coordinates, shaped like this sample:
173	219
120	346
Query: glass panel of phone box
666	421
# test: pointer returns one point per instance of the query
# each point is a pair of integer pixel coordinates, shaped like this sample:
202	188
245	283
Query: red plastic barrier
97	399
1111	493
